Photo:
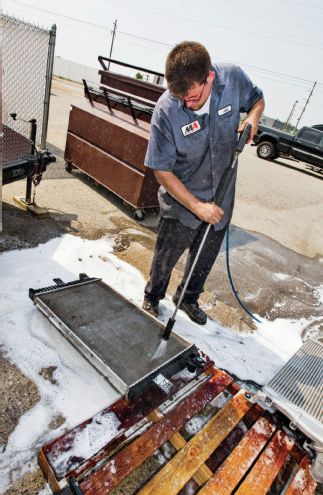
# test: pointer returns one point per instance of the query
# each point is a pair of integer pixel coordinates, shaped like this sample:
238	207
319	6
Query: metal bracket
87	92
132	110
106	94
259	398
308	447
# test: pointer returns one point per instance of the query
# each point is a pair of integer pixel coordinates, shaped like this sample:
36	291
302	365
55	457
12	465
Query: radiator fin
300	381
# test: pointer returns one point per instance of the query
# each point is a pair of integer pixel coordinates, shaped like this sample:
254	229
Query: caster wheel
139	215
69	167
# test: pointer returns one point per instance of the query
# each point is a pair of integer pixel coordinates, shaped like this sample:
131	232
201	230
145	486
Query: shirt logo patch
190	128
224	110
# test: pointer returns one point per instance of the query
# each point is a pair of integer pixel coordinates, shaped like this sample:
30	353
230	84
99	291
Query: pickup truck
306	145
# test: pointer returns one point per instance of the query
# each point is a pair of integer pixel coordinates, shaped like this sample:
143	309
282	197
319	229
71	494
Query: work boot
193	311
150	307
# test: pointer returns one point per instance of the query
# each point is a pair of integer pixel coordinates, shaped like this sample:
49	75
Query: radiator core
118	338
297	389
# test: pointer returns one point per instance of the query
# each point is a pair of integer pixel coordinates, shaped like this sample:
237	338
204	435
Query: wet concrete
272	280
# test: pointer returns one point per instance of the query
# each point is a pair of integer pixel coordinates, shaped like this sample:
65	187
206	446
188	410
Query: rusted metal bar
180	469
132	85
267	466
106	94
123	463
118	103
303	482
123	64
235	466
132	110
87	92
137	98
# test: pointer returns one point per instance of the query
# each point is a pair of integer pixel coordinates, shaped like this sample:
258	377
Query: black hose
235	292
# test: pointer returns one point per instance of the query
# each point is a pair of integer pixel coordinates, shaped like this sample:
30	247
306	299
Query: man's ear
211	75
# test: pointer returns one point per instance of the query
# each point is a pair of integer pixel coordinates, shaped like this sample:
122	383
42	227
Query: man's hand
252	118
208	212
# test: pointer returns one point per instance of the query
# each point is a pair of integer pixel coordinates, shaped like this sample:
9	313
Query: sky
278	43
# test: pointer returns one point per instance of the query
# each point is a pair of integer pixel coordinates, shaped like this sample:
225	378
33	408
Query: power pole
112	41
306	103
290	115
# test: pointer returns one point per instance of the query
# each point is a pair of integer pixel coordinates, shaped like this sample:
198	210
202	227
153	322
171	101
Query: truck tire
266	150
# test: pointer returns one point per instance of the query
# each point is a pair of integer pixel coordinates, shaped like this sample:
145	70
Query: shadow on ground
22	230
300	167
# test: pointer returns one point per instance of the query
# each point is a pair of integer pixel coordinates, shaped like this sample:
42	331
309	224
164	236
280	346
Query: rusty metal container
108	134
131	85
129	95
116	105
110	148
115	133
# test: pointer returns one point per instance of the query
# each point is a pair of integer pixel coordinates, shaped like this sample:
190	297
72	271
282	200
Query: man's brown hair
188	63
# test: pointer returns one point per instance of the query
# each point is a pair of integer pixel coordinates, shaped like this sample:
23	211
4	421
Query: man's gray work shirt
198	148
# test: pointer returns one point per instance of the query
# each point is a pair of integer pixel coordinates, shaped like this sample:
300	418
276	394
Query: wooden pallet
233	447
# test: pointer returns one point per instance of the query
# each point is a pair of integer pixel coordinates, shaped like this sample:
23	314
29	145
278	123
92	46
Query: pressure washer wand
220	193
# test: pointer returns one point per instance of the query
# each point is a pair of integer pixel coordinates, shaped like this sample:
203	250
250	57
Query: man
193	137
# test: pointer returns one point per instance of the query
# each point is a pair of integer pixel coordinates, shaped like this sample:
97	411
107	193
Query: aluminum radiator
117	337
297	390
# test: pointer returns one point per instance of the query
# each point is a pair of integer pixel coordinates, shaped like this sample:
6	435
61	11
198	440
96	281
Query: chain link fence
28	52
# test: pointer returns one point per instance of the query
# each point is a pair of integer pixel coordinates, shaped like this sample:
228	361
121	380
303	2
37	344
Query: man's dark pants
172	240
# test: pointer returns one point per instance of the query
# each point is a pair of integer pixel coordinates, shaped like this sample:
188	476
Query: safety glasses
195	99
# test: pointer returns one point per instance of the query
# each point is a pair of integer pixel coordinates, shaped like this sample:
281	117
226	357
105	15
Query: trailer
20	159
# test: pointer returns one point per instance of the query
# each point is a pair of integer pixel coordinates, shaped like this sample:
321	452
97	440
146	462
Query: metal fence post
29	183
49	76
